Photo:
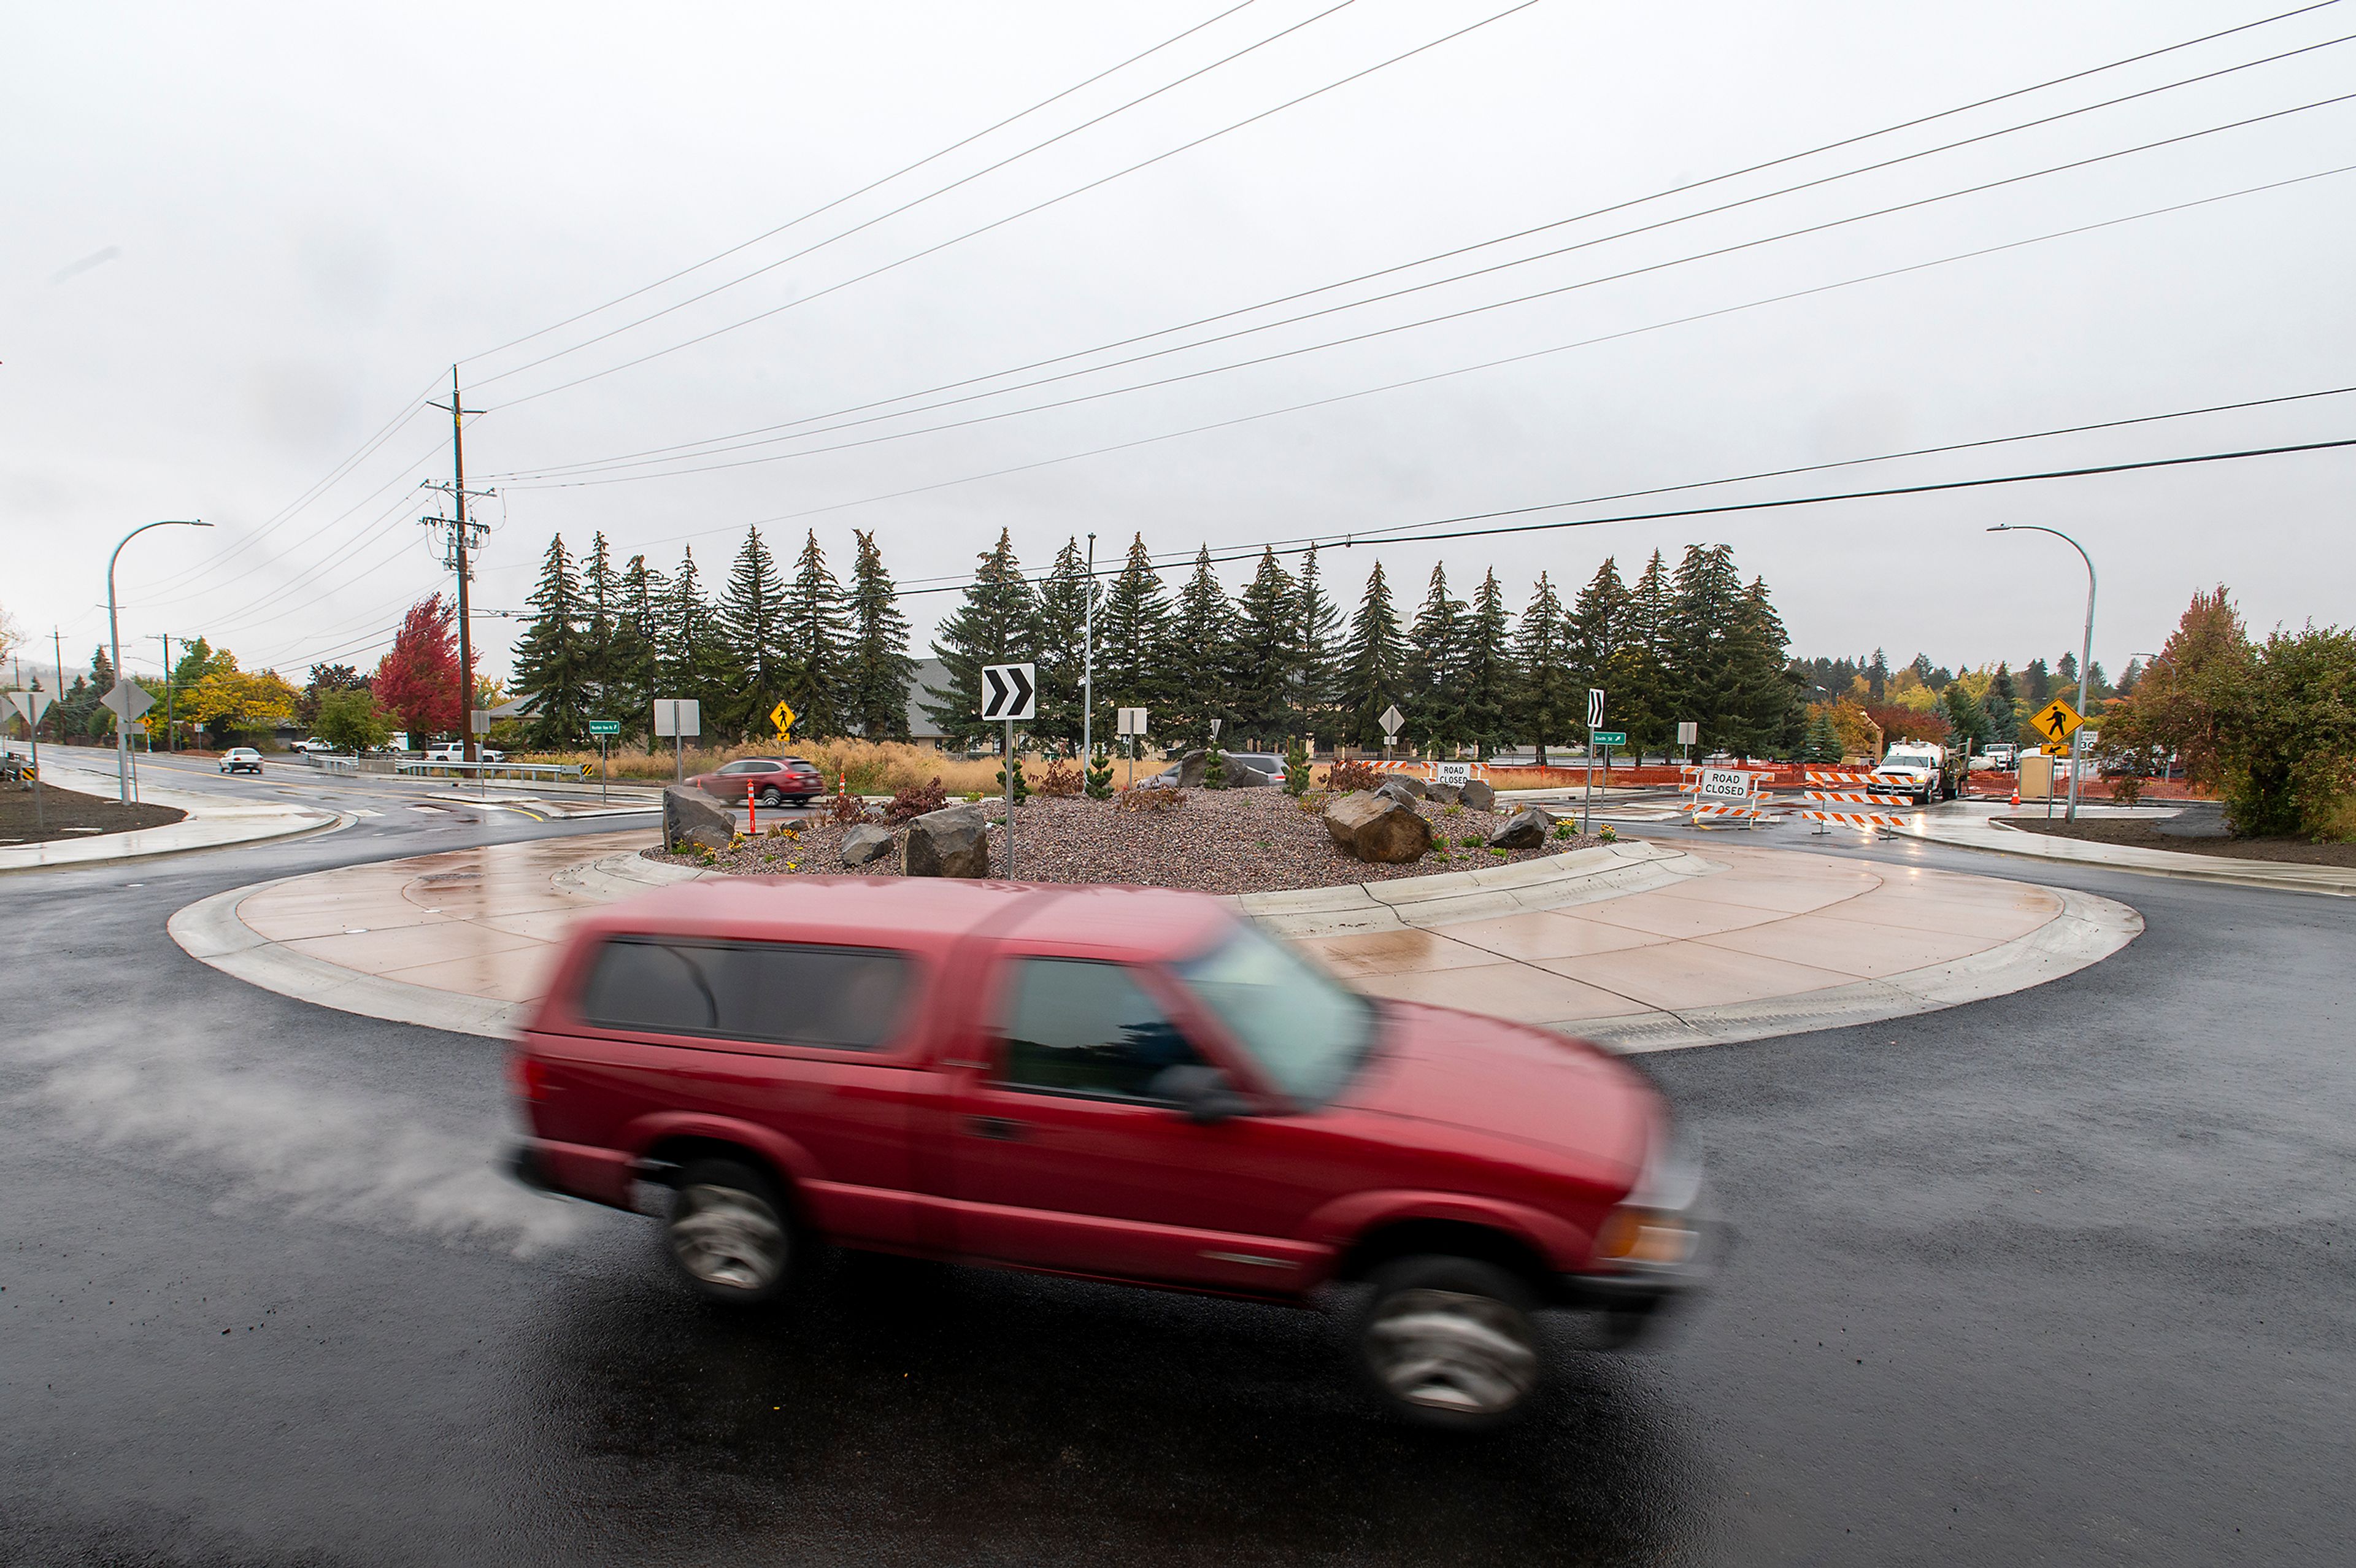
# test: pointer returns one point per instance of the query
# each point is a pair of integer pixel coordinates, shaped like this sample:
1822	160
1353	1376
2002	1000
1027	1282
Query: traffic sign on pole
1131	721
128	700
1611	737
782	716
1010	691
1594	706
2057	720
604	726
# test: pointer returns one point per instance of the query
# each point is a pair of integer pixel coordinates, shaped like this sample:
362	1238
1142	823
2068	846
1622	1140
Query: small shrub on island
1296	769
917	801
1214	770
1139	798
1022	783
1061	779
1342	778
1099	780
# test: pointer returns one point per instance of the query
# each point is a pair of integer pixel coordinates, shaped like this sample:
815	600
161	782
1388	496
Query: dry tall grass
872	767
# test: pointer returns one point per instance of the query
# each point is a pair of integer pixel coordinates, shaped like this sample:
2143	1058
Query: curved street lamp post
2085	654
114	642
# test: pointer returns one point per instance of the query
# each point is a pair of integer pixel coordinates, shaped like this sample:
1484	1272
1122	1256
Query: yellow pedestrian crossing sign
782	717
2056	721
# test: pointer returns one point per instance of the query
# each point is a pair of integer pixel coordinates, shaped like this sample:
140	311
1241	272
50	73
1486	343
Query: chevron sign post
1009	692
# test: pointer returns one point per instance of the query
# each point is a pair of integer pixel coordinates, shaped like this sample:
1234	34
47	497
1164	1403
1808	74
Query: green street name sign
604	726
1611	737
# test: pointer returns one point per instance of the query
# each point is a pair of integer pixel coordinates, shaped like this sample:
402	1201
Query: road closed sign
1457	774
1724	783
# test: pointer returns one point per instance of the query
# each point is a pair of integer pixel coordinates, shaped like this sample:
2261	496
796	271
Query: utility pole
171	735
1089	662
460	539
57	648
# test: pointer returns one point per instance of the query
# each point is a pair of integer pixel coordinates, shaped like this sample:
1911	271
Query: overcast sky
241	240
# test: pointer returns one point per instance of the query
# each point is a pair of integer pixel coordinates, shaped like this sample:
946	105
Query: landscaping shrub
1343	777
848	808
1214	770
916	802
1062	778
1099	781
1021	783
1296	770
1137	797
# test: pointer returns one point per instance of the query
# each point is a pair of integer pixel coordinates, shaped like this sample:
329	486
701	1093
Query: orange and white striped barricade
1847	789
1723	795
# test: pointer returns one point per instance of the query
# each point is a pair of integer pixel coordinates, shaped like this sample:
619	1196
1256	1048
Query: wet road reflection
927	1411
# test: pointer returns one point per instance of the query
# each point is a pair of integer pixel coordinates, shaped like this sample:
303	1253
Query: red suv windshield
1307	1032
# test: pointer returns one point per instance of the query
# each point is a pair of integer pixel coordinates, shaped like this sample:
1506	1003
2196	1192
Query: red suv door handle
1002	1127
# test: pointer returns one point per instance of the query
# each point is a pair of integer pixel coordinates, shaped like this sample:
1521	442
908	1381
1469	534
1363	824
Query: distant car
1268	762
240	760
452	752
771	780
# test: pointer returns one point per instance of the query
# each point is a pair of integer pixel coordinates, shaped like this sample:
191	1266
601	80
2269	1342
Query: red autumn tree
418	678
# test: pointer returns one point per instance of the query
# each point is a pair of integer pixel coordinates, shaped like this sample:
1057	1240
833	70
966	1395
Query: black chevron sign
1009	690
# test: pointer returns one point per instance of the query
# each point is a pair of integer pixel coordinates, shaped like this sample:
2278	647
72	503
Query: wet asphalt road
2060	1277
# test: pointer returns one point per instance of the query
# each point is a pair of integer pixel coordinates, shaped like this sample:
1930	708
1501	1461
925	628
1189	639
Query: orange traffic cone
2015	795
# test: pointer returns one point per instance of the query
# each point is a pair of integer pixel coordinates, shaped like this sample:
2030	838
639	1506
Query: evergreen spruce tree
2003	705
1201	640
1486	676
753	616
697	661
552	660
638	638
1702	662
1968	722
1317	653
1766	714
1877	676
1099	783
601	596
1063	628
1435	663
995	623
2036	685
1374	665
817	642
881	669
1646	694
1600	649
1547	700
1266	647
1133	653
1822	742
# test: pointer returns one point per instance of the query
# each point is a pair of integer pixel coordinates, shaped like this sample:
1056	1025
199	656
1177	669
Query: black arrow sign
1008	691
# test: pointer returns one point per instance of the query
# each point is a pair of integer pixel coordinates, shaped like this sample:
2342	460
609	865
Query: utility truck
1918	768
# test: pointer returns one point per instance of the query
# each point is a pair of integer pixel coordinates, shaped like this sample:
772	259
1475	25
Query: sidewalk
212	822
1644	946
1972	825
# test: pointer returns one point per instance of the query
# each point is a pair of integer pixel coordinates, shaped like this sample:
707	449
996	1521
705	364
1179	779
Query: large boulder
1409	786
1377	828
1188	774
1242	775
865	843
1525	829
1478	795
1440	794
952	842
693	820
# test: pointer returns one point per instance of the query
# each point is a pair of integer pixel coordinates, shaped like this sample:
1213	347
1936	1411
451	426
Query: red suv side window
767	993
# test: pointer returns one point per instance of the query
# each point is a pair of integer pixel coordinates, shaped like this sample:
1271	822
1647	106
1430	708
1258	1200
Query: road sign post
604	729
782	716
1009	692
1594	717
1132	729
1391	720
32	705
677	716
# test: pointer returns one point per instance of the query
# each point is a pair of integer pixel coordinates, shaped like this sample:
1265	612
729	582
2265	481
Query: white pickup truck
1914	767
455	751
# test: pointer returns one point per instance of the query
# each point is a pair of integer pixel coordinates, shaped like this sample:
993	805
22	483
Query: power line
714	442
1780	504
620	478
914	202
1516	358
1013	217
862	191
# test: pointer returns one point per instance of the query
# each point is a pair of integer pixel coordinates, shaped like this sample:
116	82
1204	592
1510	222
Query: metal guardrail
492	770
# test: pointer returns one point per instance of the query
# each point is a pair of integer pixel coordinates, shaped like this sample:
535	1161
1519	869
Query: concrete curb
1994	837
210	932
2088	930
1445	897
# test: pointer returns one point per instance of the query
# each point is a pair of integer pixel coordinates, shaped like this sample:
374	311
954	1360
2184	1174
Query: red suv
772	780
1120	1084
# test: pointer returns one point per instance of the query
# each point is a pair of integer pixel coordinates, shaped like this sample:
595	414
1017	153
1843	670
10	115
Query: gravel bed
1219	841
